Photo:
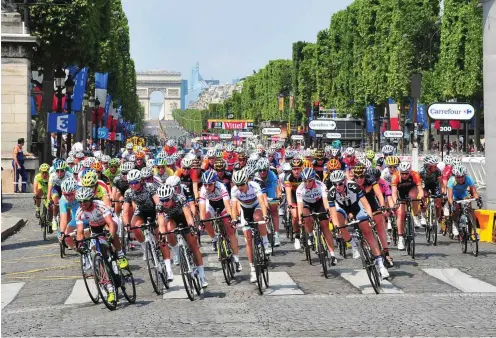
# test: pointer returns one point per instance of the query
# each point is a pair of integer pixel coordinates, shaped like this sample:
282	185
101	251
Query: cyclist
120	185
147	175
112	170
332	165
387	150
183	189
90	179
98	215
291	182
161	171
269	184
196	150
125	157
318	163
370	155
286	169
105	163
248	197
172	210
347	197
459	186
242	161
225	177
406	183
392	163
209	162
40	187
215	194
54	191
98	167
311	196
350	161
433	184
230	157
68	210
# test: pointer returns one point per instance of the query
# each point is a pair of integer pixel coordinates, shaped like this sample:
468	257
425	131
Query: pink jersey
447	171
384	185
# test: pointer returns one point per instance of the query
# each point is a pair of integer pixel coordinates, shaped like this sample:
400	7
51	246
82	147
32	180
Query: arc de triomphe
168	83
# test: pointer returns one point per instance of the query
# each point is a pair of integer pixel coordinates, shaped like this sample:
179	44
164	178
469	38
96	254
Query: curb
13	229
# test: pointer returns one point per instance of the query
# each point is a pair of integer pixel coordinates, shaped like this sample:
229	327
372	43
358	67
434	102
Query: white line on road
176	289
280	284
9	292
360	280
460	280
79	294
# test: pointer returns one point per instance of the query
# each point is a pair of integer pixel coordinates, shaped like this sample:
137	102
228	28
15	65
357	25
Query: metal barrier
476	167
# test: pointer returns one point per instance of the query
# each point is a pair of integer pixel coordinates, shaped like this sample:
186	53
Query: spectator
18	166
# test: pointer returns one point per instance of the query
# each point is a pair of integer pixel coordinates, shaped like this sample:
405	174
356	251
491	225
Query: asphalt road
443	292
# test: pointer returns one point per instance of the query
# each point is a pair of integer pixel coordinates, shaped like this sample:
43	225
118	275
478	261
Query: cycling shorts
433	189
316	207
361	215
179	220
247	213
144	215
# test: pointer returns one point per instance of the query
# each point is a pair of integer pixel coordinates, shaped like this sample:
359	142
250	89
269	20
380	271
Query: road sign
393	134
246	134
333	135
118	136
271	131
225	136
102	133
230	116
322	125
445	128
297	137
62	123
451	111
319	135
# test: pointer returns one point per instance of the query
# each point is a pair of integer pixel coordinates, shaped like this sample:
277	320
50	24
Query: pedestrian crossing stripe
460	280
79	294
9	292
360	280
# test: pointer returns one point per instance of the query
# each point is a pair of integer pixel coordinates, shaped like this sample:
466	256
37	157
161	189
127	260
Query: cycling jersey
350	162
460	190
142	198
348	201
65	207
42	183
111	176
430	178
176	211
293	183
368	189
319	168
127	154
248	199
160	179
385	189
216	197
121	184
387	176
405	185
95	217
230	161
312	195
447	171
268	185
282	176
100	192
54	180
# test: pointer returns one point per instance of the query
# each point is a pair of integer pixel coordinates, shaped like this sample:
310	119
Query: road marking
460	280
360	280
39	270
45	277
79	294
281	284
9	292
28	258
176	289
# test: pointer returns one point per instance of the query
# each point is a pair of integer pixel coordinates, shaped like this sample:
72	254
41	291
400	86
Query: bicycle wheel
394	227
290	226
258	266
368	262
224	260
128	286
229	258
265	268
271	235
408	220
428	227
412	241
434	229
104	280
153	270
88	277
62	248
323	255
473	237
462	239
186	274
124	239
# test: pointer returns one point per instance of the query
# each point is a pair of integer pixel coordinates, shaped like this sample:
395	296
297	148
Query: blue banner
33	107
108	101
119	111
421	117
370	111
79	89
101	80
62	123
102	133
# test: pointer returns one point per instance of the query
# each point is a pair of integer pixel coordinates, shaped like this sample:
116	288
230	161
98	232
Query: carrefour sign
322	125
451	111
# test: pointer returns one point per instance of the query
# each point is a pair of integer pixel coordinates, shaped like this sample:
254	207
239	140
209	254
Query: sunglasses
134	182
391	167
359	176
459	177
160	167
188	169
165	200
309	180
69	194
240	185
263	170
82	202
404	174
124	173
60	170
338	184
296	169
209	184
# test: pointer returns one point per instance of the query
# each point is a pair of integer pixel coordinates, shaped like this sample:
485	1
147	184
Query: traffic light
316	109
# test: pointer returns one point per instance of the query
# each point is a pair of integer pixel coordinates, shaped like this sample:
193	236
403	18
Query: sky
228	38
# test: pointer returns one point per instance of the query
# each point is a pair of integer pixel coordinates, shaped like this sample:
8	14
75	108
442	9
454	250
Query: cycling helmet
134	175
126	167
250	172
387	149
380	161
289	155
360	157
173	181
114	162
286	166
140	155
196	146
367	163
456	161
336	144
165	192
70	160
180	153
69	185
150	163
220	164
218	146
405	167
171	143
209	176
263	164
358	170
448	160
129	146
161	162
374	172
459	170
333	164
77	168
80	155
219	154
162	154
97	154
89	179
242	156
335	152
60	165
337	176
308	174
45	167
71	153
370	154
392	161
349	151
431	159
196	163
97	166
296	163
230	148
131	158
170	160
186	163
105	158
84	194
318	154
238	150
146	172
240	177
211	153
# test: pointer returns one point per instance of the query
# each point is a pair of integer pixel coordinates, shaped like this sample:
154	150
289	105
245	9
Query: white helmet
173	181
150	163
349	151
240	176
105	158
84	194
87	162
211	153
71	153
127	166
170	160
69	185
134	175
70	160
387	149
131	158
367	163
460	170
165	191
286	166
337	176
263	164
97	154
405	167
448	160
456	161
77	147
230	148
129	146
171	143
187	162
146	172
162	154
77	168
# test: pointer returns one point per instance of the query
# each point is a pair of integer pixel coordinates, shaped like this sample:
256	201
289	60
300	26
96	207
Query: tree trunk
46	107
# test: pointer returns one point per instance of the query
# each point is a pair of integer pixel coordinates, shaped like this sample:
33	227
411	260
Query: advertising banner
272	125
230	124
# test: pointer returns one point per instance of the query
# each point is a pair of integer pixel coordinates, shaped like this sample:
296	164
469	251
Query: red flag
453	123
56	101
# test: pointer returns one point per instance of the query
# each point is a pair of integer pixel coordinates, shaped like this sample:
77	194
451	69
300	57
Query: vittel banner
230	124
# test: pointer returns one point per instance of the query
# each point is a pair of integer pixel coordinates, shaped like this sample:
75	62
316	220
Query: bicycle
187	265
368	260
224	250
153	255
270	226
341	243
409	227
124	237
431	230
393	232
259	258
86	261
468	228
107	273
288	223
46	215
62	243
321	246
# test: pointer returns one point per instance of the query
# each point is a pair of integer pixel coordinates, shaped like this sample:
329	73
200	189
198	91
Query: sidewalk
16	209
10	225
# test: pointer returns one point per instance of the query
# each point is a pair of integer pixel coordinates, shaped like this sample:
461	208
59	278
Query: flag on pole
393	115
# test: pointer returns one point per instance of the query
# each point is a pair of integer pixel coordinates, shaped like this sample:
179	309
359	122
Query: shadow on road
6	206
14	246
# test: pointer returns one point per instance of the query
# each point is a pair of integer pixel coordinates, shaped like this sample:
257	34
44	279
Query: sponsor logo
451	111
322	125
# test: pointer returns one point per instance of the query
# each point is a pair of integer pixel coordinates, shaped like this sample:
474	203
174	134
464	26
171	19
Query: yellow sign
136	141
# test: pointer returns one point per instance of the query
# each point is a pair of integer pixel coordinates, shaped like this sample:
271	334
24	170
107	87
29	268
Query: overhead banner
273	125
230	124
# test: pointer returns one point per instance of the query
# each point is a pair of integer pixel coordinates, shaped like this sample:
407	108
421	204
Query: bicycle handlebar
315	214
468	200
214	218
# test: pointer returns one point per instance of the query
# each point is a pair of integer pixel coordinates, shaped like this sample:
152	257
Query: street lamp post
91	106
59	77
69	90
97	120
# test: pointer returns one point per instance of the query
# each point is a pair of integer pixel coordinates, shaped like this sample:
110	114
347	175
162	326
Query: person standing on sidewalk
18	166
